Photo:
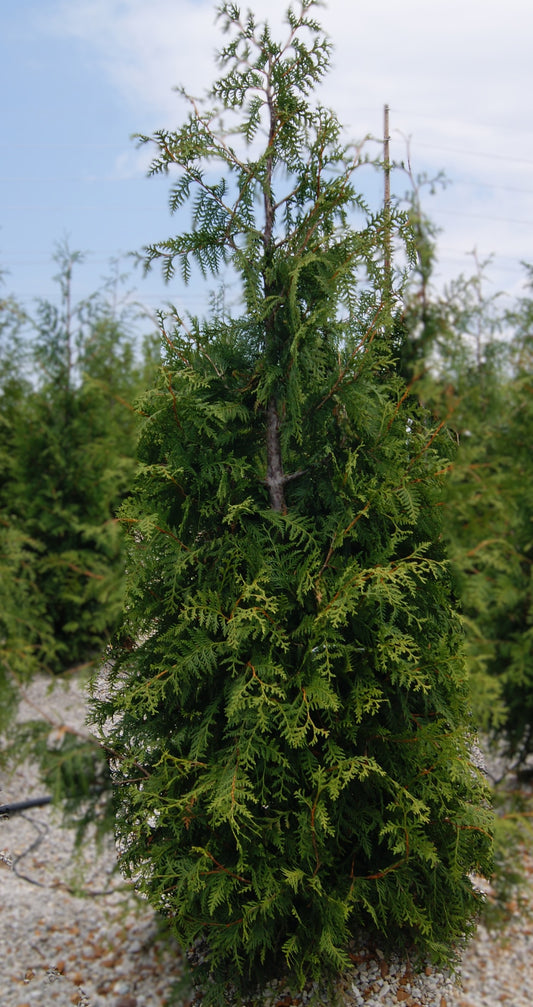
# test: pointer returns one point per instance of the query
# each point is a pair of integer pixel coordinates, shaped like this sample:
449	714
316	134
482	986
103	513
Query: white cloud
145	50
455	72
457	59
453	61
132	163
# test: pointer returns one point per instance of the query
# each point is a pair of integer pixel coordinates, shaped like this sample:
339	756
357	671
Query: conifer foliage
287	700
68	376
482	381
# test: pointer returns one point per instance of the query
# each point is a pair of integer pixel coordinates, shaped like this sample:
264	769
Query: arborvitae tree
474	373
69	454
23	632
288	693
455	362
513	659
491	533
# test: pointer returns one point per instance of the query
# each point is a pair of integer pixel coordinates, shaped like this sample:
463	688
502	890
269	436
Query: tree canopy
287	702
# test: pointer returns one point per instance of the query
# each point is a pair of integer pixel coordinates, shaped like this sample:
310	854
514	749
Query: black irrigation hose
16	806
35	802
42	830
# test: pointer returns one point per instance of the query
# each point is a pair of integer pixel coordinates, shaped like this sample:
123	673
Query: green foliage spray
290	732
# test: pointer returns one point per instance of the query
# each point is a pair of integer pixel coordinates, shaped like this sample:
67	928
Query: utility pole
386	205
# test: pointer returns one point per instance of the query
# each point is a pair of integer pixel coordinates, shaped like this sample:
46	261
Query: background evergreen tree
68	453
24	636
513	659
473	371
288	692
490	526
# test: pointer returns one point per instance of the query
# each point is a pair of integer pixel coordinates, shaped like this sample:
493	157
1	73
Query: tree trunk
275	479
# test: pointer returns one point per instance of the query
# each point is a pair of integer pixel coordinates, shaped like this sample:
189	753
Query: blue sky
80	76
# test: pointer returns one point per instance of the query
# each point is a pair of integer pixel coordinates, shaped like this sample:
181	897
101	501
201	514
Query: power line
475	153
128	207
57	146
490	185
115	146
484	216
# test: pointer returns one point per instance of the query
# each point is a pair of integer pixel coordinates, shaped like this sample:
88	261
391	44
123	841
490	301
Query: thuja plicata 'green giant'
288	698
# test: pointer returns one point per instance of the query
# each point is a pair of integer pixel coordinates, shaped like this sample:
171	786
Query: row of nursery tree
300	535
69	375
70	378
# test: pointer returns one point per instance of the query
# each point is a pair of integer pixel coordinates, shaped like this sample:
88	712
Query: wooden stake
387	236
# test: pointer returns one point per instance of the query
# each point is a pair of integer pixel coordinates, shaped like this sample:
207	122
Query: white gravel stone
60	950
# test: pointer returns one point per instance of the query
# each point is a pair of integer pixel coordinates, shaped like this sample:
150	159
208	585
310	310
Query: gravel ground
61	948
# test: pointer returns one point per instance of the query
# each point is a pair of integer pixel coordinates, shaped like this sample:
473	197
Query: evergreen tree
473	371
513	630
491	530
288	693
69	453
24	636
